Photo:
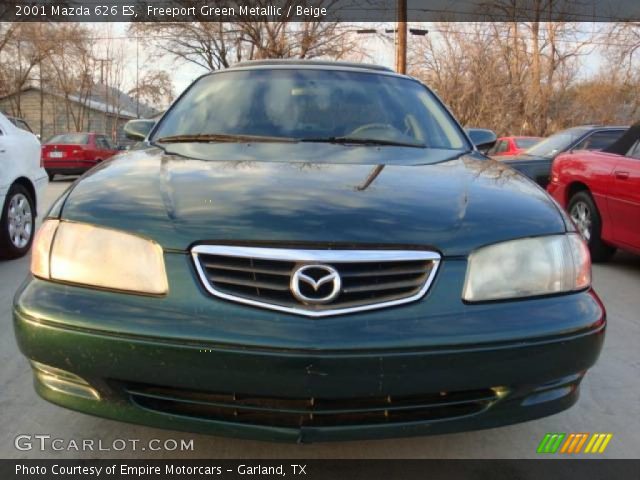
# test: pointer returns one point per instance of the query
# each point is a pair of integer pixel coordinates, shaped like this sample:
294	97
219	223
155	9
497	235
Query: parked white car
22	182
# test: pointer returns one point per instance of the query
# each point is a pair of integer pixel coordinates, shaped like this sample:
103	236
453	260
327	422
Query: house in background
104	110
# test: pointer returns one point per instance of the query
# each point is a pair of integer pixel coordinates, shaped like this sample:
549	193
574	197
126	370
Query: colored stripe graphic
574	443
550	443
598	443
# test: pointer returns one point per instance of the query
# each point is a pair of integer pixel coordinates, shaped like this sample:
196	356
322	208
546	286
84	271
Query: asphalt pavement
609	402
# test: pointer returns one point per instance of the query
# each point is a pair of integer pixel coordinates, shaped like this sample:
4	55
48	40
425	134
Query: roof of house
102	98
107	99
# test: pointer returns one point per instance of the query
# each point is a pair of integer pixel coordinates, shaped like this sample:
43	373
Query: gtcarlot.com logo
46	442
574	443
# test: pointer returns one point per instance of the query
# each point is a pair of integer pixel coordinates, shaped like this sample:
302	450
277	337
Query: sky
184	73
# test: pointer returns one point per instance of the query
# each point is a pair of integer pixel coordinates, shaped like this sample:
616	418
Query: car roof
600	127
79	133
517	136
311	64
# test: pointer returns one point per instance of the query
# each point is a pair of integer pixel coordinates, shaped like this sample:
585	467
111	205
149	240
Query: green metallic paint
189	313
454	206
105	360
534	350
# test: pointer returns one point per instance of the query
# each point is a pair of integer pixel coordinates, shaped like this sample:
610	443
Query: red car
601	192
512	145
75	153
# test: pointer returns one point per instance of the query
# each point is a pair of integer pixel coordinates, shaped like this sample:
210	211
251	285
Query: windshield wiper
222	137
230	138
361	141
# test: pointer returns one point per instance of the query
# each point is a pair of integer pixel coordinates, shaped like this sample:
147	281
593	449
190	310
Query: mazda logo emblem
315	284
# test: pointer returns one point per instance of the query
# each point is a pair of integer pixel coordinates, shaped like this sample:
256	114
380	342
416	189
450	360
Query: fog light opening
63	381
500	392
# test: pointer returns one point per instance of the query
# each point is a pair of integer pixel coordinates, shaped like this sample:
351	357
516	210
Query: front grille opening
298	412
365	280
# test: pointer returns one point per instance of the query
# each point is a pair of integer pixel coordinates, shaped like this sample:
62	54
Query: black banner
322	469
317	10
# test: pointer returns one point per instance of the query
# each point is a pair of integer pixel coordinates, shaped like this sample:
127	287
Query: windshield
69	139
560	142
311	105
526	142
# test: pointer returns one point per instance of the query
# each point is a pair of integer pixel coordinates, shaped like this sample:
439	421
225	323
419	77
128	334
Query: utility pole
102	61
401	37
137	76
41	103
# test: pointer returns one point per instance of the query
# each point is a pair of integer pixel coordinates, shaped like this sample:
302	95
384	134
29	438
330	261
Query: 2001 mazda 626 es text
309	251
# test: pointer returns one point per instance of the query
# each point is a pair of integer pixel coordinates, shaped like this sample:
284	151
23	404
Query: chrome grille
263	277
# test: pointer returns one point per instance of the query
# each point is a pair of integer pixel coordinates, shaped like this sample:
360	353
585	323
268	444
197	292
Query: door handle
621	175
2	150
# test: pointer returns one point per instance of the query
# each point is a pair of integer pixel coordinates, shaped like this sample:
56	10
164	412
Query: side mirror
482	138
138	129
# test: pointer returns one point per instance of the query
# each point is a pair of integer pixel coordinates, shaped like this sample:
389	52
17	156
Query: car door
4	160
103	146
624	198
111	148
10	167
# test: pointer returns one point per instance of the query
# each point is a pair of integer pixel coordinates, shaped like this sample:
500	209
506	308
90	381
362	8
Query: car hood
453	206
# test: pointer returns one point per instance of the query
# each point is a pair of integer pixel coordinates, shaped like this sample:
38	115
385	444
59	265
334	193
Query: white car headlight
89	255
527	268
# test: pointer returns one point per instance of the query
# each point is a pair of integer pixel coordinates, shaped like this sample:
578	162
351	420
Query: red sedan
601	192
75	153
512	145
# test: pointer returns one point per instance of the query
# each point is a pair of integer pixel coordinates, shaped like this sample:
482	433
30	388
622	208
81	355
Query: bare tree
210	45
24	47
217	45
154	88
511	76
68	70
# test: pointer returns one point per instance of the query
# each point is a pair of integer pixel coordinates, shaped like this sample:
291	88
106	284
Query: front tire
51	176
585	215
17	223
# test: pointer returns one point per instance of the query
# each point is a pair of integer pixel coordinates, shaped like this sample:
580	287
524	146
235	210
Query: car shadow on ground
625	261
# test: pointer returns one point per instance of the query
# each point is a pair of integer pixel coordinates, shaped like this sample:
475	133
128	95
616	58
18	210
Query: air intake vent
315	282
311	412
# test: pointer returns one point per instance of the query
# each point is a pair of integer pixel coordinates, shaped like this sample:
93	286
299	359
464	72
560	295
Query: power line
432	30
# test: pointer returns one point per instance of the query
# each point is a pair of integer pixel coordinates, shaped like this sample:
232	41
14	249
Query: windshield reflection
309	105
560	142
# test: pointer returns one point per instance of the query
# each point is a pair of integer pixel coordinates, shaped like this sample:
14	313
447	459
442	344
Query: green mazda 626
309	251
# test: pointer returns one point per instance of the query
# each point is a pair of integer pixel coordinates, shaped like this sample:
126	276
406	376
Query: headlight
100	257
528	267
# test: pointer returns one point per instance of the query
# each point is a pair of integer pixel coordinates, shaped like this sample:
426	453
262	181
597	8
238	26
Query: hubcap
581	216
20	221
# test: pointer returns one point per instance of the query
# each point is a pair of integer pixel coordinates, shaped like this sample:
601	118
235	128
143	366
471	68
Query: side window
599	140
103	143
635	151
23	125
502	147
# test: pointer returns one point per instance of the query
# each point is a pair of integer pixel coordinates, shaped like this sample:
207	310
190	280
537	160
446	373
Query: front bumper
40	185
558	192
156	370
